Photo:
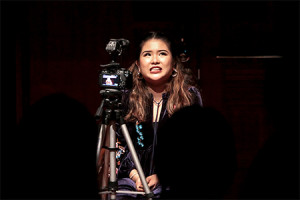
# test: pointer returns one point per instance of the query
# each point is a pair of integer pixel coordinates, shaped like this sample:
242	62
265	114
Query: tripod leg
136	160
100	140
113	165
103	161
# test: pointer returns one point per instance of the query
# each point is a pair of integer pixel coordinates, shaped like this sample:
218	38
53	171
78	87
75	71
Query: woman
158	91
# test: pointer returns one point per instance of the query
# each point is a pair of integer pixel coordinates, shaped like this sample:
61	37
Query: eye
146	54
163	53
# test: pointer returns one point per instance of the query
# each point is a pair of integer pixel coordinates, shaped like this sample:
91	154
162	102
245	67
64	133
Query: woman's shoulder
193	89
197	99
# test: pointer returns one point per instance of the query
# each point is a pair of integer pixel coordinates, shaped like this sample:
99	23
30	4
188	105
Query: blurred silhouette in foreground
55	152
196	157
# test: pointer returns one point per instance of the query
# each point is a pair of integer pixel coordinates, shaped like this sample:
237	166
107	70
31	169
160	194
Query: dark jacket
149	129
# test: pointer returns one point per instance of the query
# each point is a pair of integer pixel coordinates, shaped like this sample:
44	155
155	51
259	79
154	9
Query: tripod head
111	101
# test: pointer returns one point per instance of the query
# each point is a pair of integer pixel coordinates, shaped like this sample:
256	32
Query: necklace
157	110
157	102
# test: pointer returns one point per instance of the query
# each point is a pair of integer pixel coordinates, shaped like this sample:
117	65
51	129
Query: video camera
113	76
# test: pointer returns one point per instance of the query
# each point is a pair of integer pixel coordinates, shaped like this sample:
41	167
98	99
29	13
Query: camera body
119	79
113	76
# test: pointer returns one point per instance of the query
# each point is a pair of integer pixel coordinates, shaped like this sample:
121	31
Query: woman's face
155	62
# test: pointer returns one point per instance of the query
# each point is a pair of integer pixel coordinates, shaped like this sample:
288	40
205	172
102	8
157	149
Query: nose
155	59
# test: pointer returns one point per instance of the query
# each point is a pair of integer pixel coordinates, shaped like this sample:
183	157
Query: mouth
155	69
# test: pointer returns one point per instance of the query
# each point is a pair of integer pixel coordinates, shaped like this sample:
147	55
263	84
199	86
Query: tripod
112	114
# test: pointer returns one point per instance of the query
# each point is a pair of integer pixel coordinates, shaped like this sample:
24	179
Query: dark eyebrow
163	50
147	51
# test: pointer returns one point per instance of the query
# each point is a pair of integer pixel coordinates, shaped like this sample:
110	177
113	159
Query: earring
174	73
140	76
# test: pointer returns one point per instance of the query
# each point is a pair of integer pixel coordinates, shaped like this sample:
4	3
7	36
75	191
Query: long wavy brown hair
177	88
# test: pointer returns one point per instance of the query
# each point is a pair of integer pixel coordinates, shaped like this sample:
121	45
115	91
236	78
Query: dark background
52	47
